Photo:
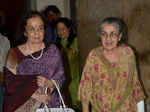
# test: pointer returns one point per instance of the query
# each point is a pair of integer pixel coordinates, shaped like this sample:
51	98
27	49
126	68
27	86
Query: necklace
35	58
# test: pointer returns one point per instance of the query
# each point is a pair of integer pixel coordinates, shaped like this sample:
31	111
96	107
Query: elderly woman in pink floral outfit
110	80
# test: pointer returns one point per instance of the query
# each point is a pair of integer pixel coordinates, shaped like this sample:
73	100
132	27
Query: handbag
62	108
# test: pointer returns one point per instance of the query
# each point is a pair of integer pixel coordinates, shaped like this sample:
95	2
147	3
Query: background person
52	14
110	80
68	45
4	47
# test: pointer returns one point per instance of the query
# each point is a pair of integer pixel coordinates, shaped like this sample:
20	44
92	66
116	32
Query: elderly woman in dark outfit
30	69
109	80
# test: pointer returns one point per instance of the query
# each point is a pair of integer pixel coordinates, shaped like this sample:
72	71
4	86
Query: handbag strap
57	87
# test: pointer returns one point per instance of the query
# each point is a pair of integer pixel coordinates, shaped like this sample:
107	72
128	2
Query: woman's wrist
85	107
50	85
36	97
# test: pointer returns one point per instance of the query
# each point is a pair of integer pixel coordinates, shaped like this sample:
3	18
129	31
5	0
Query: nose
36	33
62	32
108	37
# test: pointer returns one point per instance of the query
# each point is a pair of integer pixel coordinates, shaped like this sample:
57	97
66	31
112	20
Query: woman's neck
112	56
110	52
34	47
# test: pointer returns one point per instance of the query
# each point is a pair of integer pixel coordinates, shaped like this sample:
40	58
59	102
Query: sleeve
7	43
85	87
138	92
5	46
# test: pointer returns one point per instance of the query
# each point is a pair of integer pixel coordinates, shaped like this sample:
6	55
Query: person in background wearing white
4	47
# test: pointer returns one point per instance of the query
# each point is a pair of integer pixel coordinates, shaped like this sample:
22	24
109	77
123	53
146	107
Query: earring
25	34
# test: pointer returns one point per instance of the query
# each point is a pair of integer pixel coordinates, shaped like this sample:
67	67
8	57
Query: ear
25	34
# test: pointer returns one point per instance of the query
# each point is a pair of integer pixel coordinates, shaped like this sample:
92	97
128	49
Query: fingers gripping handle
57	87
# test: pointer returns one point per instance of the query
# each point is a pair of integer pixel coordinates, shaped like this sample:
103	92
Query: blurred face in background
63	31
34	30
109	36
52	17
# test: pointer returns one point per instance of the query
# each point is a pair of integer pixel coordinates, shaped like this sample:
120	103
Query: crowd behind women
109	81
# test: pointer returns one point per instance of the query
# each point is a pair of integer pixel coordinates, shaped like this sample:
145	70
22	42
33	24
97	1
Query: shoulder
12	52
2	38
12	58
74	44
4	41
52	48
93	52
75	39
127	50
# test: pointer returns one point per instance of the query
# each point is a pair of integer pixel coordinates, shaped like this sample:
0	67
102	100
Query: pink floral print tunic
111	87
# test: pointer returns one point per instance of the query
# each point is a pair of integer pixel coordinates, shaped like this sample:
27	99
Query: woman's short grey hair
120	25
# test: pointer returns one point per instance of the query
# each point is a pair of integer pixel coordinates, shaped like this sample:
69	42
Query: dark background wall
13	10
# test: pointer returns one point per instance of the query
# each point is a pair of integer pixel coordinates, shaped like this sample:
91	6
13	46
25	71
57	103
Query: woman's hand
43	82
44	98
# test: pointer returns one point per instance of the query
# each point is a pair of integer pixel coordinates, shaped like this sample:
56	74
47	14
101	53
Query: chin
37	42
109	48
62	37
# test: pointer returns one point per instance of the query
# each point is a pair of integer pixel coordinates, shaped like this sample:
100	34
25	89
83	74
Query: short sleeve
137	91
85	88
137	88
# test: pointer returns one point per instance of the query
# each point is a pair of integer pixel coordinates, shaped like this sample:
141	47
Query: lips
36	38
109	44
62	36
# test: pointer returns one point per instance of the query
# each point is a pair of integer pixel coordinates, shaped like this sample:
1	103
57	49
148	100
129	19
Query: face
63	31
109	37
52	17
34	30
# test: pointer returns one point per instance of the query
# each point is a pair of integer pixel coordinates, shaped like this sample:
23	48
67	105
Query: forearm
35	96
140	106
85	107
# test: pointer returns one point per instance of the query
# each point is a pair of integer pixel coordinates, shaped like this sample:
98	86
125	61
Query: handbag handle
57	87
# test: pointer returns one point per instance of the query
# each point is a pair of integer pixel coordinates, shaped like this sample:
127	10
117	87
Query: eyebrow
36	25
110	32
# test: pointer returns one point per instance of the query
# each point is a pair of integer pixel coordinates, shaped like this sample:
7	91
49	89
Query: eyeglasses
112	35
32	29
